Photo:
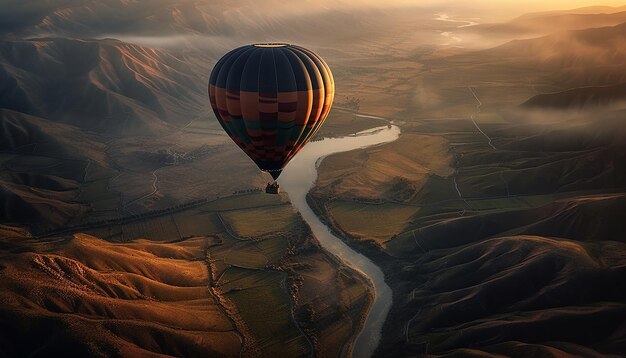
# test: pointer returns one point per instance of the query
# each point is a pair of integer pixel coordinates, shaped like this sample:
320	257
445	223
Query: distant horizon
500	11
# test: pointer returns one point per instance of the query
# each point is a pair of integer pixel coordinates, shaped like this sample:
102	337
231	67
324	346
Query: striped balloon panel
271	100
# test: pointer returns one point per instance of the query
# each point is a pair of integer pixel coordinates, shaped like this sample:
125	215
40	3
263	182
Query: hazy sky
521	4
503	8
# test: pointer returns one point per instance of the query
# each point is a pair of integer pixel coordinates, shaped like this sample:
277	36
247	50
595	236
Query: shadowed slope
98	85
579	98
44	164
527	288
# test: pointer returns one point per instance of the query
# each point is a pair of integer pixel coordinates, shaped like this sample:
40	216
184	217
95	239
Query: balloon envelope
271	99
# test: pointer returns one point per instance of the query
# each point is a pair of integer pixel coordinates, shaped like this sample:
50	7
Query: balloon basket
272	188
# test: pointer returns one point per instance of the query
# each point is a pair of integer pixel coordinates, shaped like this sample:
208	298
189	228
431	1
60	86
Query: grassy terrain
266	276
341	122
394	171
500	230
377	222
254	222
265	306
508	239
123	290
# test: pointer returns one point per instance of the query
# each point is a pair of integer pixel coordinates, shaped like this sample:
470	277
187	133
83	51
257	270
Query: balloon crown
270	44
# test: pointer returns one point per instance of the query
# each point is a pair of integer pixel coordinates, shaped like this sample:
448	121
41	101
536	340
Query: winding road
473	118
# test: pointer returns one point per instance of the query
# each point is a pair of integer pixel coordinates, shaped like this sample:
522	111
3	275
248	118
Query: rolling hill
186	283
551	294
588	47
100	298
499	229
45	166
544	23
519	251
579	98
103	86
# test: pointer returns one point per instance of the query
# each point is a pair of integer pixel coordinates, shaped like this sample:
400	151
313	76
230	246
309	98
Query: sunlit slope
387	171
103	86
185	284
543	23
109	299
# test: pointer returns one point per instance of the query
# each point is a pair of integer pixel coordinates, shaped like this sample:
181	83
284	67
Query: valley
130	224
216	261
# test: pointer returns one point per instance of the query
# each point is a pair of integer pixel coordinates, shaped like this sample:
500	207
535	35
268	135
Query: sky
516	4
504	9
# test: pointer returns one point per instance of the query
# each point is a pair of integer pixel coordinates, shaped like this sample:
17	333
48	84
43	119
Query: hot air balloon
271	99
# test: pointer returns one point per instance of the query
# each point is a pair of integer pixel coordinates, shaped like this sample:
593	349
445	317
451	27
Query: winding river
297	179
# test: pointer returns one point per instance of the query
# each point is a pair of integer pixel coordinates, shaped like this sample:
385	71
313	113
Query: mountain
545	23
40	179
593	57
28	134
594	46
131	225
586	10
96	18
103	86
531	295
139	17
517	251
579	98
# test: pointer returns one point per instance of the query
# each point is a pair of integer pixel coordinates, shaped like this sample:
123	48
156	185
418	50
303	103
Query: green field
98	196
161	228
195	223
237	202
261	221
263	300
371	221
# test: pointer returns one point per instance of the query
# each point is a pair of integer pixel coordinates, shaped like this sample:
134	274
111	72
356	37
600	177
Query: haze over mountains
542	23
497	216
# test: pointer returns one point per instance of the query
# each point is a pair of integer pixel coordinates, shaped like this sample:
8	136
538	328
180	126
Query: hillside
590	46
45	163
544	23
131	225
586	10
211	280
551	294
110	299
519	250
579	98
103	86
505	76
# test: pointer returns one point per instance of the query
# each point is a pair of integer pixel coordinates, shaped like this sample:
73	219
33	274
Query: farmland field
376	221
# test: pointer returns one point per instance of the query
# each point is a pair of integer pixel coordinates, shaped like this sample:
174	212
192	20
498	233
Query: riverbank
297	179
381	259
472	259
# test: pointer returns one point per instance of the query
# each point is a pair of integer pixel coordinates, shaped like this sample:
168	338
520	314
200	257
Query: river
297	179
463	22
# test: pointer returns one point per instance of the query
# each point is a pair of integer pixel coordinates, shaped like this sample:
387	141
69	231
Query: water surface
298	178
